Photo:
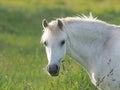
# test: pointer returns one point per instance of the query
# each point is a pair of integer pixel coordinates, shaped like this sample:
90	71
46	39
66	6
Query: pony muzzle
53	69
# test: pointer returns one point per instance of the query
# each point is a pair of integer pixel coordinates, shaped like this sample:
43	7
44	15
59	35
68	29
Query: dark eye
45	43
63	42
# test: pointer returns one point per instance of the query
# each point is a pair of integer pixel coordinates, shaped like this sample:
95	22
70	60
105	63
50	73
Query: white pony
91	42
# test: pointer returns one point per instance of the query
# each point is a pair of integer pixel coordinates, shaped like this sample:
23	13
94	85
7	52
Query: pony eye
63	42
45	43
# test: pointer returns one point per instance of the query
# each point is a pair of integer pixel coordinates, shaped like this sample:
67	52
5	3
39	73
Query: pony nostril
53	69
56	67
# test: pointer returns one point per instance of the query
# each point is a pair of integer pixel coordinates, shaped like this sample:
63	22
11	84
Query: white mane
82	17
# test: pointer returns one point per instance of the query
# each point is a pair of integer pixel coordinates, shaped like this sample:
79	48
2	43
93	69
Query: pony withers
91	42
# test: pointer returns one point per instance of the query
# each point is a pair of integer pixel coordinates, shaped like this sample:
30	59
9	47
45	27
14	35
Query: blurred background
22	57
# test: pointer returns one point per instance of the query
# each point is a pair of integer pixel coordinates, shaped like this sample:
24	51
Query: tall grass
22	58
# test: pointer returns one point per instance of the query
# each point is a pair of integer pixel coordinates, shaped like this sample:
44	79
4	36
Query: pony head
54	40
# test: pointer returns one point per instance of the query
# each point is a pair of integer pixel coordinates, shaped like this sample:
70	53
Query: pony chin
53	75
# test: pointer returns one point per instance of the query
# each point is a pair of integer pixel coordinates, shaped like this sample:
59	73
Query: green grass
22	58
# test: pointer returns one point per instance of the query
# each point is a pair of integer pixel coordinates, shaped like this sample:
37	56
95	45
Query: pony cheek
63	53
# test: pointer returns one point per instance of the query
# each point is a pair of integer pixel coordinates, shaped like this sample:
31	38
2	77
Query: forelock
53	26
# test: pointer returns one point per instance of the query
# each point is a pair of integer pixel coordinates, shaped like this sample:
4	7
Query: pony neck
85	42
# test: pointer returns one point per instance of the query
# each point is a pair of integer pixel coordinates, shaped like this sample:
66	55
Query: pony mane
79	18
90	17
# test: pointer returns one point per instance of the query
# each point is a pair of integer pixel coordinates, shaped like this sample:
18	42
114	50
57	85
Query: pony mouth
54	74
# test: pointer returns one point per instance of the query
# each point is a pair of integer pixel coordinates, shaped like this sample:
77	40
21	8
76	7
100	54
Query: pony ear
44	23
60	24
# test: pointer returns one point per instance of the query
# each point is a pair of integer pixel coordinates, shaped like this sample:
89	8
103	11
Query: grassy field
22	58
